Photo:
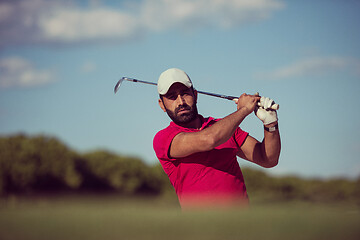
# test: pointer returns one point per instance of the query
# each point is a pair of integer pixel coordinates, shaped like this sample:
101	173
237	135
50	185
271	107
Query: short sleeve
240	136
162	142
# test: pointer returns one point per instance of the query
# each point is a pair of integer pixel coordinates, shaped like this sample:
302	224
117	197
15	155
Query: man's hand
247	102
264	112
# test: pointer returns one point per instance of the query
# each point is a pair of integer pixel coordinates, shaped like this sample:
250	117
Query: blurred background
63	130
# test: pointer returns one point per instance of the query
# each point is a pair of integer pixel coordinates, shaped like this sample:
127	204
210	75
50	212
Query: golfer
199	154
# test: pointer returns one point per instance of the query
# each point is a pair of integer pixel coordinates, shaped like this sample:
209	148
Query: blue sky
59	62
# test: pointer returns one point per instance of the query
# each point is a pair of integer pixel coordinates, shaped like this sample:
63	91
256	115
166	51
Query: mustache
182	107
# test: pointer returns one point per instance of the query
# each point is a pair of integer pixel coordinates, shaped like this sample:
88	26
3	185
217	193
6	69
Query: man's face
180	104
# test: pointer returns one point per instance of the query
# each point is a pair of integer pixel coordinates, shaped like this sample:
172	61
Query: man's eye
171	97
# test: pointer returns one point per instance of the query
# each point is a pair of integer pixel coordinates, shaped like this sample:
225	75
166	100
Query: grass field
113	217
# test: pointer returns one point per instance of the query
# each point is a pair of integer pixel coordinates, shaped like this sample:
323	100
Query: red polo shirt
211	178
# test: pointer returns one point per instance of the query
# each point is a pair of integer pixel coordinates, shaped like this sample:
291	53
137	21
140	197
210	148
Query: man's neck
196	123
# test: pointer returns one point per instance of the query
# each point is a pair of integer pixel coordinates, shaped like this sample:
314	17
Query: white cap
171	76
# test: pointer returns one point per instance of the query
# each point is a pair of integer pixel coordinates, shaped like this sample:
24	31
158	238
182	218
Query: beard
183	118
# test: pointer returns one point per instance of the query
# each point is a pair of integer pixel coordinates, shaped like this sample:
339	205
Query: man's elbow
270	163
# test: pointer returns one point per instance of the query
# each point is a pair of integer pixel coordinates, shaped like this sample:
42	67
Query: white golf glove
264	112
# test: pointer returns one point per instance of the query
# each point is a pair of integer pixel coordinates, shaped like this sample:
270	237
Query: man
199	154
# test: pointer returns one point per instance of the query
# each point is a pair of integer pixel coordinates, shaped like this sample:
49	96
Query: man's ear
161	104
195	95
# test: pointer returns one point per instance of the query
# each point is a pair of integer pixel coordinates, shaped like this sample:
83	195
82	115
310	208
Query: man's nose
180	99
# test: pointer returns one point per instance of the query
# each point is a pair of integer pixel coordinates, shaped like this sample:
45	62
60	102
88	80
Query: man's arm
185	144
265	153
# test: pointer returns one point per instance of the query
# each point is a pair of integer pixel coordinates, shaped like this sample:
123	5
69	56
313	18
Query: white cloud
80	25
18	72
313	66
41	21
163	14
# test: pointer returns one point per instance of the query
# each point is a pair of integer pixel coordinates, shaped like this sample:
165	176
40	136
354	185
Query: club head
118	84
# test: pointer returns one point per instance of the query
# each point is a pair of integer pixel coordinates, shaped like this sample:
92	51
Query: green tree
38	163
103	170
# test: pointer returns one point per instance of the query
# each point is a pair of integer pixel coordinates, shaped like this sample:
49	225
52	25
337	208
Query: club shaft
201	92
217	95
275	106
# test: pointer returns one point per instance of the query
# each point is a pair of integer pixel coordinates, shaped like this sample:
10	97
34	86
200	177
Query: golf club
118	84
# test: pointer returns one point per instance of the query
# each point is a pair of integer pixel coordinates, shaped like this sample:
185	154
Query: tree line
43	164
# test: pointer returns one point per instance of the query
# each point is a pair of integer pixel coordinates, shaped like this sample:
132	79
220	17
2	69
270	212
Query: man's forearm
271	146
222	130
